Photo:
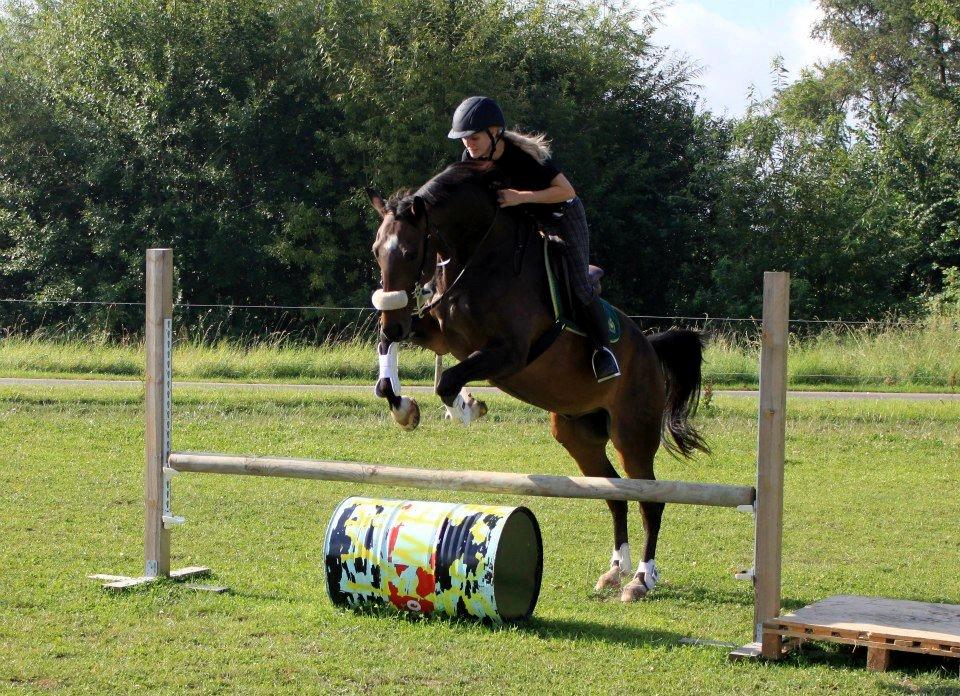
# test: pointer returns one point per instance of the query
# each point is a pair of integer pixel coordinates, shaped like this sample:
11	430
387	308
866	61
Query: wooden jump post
766	500
771	439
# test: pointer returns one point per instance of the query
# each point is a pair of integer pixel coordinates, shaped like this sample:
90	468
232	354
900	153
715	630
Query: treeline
242	133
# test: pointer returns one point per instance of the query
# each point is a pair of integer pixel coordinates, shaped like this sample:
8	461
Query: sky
734	42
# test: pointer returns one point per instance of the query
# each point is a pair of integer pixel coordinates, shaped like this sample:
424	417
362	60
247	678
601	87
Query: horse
487	303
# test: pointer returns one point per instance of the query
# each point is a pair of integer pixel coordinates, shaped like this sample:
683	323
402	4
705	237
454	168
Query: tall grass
889	356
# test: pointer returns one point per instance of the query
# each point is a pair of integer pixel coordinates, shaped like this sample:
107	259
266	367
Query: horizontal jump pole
595	487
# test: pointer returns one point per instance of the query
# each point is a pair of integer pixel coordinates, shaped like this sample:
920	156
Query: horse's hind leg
585	438
636	438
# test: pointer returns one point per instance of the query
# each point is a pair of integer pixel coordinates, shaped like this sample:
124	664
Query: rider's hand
508	197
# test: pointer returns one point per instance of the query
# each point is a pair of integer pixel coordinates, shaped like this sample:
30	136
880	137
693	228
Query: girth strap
544	341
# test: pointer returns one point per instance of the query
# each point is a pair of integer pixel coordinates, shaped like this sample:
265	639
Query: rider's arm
559	190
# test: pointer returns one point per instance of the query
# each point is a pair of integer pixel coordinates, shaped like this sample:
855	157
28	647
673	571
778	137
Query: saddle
566	309
558	263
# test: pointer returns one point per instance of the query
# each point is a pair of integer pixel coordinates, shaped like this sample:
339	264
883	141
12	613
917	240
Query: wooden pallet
881	625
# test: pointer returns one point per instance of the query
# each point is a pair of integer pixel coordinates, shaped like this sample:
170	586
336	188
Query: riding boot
604	361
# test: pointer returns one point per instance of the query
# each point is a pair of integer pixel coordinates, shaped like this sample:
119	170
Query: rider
535	179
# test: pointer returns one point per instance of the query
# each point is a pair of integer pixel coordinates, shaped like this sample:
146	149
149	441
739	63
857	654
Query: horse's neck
479	246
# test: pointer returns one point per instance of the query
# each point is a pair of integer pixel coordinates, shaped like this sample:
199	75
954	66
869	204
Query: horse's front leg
405	411
425	332
496	360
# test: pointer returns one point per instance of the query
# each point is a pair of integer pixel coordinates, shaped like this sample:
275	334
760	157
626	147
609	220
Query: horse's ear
418	207
376	201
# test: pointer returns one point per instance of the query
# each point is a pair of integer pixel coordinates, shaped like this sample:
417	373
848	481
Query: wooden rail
477	481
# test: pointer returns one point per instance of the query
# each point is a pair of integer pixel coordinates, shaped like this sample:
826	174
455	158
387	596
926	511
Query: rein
418	291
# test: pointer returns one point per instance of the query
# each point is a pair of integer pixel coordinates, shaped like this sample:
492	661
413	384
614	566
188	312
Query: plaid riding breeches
574	231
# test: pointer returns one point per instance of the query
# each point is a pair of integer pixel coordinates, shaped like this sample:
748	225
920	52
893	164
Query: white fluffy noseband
385	301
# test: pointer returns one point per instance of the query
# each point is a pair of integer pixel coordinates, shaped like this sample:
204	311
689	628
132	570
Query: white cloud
807	50
732	56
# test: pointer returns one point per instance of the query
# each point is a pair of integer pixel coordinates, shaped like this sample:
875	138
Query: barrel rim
538	576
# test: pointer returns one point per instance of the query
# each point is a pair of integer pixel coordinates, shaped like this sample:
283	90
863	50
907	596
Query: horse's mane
442	186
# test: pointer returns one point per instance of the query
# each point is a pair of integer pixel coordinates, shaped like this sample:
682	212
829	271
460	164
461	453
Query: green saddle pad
562	312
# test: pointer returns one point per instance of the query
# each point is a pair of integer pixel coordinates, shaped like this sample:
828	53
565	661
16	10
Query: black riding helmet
477	114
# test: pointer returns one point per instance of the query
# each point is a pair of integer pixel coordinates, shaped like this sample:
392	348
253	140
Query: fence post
770	458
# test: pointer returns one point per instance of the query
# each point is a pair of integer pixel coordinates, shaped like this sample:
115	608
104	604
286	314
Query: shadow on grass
688	595
846	657
580	630
624	630
72	399
938	690
575	630
711	596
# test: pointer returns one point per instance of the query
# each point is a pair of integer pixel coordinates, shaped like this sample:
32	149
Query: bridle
423	296
422	292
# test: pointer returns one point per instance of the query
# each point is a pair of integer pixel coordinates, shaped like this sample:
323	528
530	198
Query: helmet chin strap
494	140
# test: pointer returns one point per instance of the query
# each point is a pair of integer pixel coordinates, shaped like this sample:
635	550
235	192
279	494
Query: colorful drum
463	560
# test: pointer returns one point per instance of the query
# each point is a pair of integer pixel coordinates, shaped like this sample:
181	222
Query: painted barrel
484	561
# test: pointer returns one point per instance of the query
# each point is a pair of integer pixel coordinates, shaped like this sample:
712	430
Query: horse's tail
681	354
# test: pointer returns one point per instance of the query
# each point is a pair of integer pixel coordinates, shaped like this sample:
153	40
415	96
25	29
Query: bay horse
491	309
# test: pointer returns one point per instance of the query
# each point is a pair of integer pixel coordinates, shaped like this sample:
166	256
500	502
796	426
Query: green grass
871	507
891	357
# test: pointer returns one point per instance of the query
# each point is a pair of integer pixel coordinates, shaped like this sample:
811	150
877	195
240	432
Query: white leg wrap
388	367
621	559
648	574
465	408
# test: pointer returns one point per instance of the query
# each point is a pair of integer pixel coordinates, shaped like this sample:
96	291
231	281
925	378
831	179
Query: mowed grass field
871	507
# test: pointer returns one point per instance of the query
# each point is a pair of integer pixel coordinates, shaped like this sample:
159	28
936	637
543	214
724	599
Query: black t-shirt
524	173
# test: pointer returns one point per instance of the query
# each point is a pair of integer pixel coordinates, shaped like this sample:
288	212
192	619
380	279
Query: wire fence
899	321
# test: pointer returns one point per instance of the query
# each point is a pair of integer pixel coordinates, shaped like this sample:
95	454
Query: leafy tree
242	132
848	176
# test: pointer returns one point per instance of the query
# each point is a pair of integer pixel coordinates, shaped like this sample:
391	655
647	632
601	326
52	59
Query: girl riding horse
498	322
537	184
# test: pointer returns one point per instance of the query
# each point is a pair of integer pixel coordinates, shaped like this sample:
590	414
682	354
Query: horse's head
460	198
403	252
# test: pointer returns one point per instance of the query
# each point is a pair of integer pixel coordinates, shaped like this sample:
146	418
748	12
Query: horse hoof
465	408
634	591
609	580
407	415
478	407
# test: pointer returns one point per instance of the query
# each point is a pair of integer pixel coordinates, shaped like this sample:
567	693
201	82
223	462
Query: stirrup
613	358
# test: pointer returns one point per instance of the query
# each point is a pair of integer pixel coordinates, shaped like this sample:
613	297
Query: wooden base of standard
773	647
125	582
750	651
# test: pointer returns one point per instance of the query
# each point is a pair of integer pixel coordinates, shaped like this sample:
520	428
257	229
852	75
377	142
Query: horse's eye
409	255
